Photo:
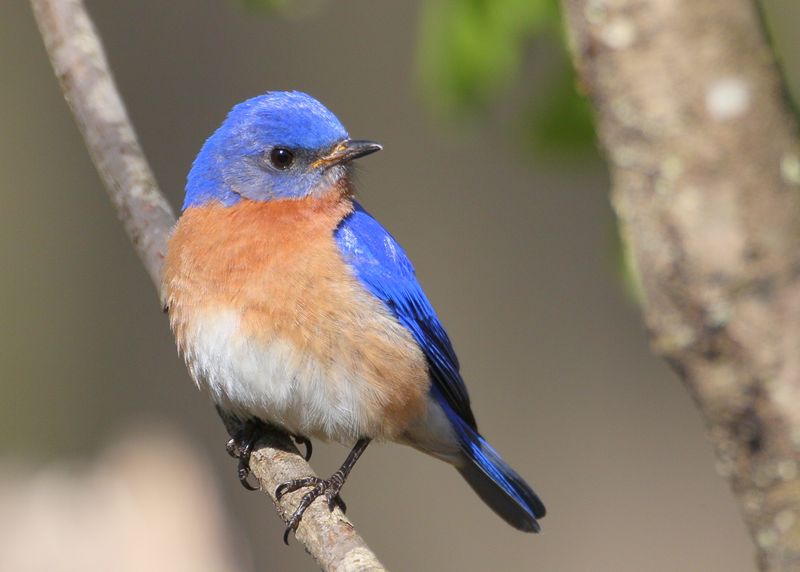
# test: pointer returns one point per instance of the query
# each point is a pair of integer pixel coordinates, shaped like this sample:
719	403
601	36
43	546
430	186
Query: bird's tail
496	483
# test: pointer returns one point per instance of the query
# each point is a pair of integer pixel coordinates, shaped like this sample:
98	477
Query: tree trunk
705	167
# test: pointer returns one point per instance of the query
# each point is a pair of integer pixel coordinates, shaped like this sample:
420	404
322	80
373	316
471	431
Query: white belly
275	382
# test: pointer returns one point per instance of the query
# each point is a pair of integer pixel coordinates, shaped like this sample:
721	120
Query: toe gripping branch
329	488
241	447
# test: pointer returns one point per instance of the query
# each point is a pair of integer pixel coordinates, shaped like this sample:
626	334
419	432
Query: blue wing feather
383	268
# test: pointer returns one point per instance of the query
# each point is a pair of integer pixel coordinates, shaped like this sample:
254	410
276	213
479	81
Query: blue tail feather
496	483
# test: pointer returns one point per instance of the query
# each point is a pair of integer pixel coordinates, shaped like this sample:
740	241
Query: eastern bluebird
293	306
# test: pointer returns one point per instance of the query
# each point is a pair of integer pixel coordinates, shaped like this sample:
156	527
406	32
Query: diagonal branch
705	166
81	67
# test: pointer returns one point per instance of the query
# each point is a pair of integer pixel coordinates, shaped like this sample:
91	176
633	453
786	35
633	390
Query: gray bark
705	166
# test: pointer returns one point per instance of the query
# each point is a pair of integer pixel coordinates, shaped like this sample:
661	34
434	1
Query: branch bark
82	69
705	167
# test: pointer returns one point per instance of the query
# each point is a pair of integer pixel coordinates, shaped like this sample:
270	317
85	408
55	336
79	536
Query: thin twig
82	69
705	164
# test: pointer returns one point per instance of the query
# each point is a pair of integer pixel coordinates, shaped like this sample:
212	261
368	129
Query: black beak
348	150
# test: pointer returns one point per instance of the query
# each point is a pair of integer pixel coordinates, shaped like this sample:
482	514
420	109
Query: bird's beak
346	151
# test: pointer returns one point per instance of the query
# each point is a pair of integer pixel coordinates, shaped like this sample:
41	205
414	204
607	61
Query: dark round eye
281	158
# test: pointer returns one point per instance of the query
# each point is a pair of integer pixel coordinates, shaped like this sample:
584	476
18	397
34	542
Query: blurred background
110	459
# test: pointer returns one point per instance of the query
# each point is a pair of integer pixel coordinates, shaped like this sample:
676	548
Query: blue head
280	145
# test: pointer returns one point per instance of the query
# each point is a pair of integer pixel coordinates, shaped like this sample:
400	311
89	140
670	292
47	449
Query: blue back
384	269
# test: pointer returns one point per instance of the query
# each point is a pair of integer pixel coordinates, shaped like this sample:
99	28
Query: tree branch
705	168
81	67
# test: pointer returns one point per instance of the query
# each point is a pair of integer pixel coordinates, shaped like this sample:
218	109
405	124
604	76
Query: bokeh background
490	181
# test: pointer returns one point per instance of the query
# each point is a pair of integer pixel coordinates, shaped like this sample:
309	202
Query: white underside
276	383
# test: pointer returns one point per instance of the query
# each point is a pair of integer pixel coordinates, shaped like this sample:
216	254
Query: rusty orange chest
272	321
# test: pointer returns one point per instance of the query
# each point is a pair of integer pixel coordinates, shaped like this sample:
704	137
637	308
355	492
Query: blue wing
384	269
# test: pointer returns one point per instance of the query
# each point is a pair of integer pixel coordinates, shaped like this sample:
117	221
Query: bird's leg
329	488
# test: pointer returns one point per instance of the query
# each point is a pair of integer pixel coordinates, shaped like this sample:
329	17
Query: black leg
329	488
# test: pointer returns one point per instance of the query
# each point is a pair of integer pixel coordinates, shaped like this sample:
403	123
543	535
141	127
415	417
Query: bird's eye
281	158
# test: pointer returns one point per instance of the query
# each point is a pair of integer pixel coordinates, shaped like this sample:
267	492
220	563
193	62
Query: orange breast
275	266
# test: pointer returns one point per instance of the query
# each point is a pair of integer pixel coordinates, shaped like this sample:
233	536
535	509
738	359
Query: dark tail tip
506	494
494	480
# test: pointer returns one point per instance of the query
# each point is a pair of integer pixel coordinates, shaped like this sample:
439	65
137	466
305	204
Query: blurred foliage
560	120
471	51
470	48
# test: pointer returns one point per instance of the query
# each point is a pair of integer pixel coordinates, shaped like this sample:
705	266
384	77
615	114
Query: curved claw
243	472
241	447
306	442
294	521
286	532
310	497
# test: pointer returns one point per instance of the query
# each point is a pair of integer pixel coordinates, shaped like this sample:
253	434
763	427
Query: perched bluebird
293	306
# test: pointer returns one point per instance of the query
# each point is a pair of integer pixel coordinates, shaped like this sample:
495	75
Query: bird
293	307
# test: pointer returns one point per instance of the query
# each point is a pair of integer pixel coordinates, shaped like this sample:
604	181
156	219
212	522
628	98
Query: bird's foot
233	448
329	488
241	447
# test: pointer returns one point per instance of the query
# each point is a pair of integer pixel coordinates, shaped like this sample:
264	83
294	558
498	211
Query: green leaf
469	49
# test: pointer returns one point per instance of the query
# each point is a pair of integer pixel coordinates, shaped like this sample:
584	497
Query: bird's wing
385	270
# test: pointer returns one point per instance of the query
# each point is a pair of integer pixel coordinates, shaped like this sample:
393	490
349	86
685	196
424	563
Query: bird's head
280	145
